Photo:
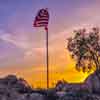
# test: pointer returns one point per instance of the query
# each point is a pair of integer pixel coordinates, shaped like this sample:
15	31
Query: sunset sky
22	47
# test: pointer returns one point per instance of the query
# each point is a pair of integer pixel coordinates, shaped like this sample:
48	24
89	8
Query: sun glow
36	76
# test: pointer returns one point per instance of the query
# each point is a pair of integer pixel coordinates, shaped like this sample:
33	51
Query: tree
85	49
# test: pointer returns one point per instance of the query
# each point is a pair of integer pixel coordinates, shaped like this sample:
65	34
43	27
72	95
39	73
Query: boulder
93	83
79	96
13	88
19	85
90	85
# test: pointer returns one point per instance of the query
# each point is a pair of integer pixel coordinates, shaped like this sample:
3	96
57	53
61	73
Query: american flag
42	18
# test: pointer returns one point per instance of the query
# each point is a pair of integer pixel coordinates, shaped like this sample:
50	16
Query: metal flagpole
47	56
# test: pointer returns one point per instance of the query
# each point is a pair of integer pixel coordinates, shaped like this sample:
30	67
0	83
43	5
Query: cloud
85	16
15	40
32	54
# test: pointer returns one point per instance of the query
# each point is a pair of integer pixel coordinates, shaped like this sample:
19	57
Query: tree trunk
97	63
97	72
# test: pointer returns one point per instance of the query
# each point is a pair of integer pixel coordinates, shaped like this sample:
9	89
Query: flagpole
41	20
47	57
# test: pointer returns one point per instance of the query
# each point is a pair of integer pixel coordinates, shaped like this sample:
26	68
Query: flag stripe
42	18
41	24
41	21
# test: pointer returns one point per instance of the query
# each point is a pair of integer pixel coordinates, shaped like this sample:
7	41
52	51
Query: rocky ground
13	88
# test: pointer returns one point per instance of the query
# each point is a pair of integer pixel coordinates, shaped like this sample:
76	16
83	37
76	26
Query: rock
68	87
10	79
13	88
60	94
19	85
33	96
36	96
90	85
78	96
16	96
93	83
49	94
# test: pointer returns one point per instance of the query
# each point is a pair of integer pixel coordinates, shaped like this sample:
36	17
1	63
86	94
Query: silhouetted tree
85	49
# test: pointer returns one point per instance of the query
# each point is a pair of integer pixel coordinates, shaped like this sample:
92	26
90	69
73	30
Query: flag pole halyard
47	57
